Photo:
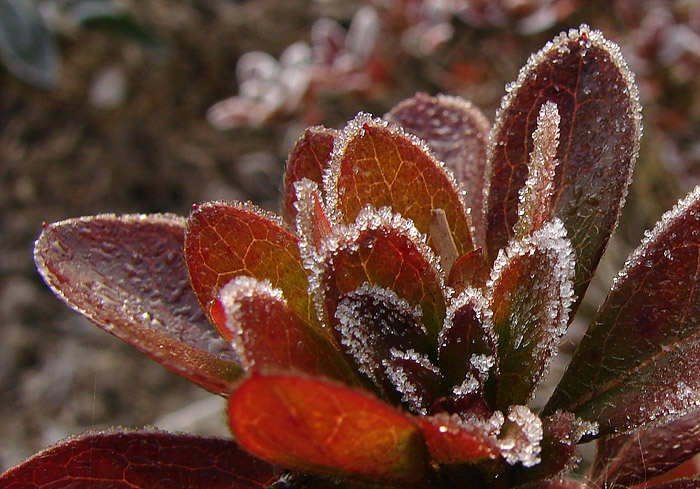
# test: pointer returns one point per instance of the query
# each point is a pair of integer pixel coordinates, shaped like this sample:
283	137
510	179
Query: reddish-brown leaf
626	460
308	159
141	459
640	359
127	275
555	484
530	293
684	483
458	134
470	269
451	441
226	240
585	76
382	250
269	336
323	428
379	164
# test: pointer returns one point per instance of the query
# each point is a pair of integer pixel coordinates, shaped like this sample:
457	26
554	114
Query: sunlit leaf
127	275
141	459
381	249
458	133
307	159
322	428
377	163
586	77
626	460
269	336
226	240
640	359
450	441
529	294
311	221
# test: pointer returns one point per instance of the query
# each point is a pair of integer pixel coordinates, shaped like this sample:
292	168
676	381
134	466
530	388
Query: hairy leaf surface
378	164
627	460
226	240
307	159
127	275
458	134
639	362
585	76
141	459
323	428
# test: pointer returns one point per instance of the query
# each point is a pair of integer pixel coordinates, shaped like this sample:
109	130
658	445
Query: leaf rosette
392	327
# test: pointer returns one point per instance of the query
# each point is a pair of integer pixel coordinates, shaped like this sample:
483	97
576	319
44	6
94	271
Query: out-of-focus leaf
626	460
141	459
530	293
639	362
307	159
27	48
379	164
555	484
684	483
226	240
451	441
458	134
108	16
470	269
467	341
383	250
127	275
319	427
586	77
269	336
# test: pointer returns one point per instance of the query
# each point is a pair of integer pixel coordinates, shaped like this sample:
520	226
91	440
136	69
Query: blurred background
151	105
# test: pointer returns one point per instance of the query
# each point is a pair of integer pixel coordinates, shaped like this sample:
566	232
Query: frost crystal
307	196
534	208
406	383
523	435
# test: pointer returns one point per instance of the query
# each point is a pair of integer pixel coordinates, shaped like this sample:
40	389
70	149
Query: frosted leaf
415	377
385	250
535	208
371	322
530	293
379	164
521	437
467	333
311	223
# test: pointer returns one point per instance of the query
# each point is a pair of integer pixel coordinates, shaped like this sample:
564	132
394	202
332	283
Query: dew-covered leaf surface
141	459
381	250
586	77
458	133
323	428
530	293
639	362
269	336
379	164
626	460
307	159
226	240
127	275
451	441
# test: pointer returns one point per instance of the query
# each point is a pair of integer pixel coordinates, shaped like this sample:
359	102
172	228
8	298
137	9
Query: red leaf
639	362
383	250
529	293
308	159
585	76
226	240
626	460
319	427
685	483
378	164
451	441
458	134
126	274
141	460
470	269
268	335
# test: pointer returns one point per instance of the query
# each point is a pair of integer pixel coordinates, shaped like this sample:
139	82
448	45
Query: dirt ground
61	157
